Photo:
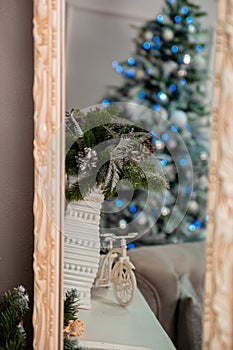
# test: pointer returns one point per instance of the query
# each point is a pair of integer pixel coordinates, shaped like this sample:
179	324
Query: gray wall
16	142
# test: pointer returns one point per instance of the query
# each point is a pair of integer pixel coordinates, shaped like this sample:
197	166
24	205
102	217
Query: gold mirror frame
49	173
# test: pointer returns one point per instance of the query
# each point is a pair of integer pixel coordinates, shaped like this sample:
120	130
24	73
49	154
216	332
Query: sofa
171	279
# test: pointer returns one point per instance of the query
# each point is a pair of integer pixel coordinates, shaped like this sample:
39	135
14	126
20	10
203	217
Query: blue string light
171	1
132	209
115	64
184	10
118	203
192	227
131	61
152	132
163	162
183	81
119	69
164	137
177	19
173	87
197	224
146	45
156	39
156	108
182	162
131	246
187	190
141	94
198	48
106	103
160	18
129	73
174	49
173	128
189	20
162	96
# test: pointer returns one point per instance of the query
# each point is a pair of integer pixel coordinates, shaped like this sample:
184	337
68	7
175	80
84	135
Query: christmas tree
167	74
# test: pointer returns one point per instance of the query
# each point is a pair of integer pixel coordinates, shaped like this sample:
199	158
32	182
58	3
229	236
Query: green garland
102	149
13	307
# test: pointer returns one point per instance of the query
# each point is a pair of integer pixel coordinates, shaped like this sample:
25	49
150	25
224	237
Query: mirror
49	107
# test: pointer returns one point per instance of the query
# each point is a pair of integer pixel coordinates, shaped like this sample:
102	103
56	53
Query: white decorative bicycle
117	270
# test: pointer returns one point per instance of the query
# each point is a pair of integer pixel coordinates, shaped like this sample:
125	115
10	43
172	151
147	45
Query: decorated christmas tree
167	74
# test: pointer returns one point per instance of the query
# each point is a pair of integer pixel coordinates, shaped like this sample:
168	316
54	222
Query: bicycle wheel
124	283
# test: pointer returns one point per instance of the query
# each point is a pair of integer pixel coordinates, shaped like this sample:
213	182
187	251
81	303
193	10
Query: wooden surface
109	326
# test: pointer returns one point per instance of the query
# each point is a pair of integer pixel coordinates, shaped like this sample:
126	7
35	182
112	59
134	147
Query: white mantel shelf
109	326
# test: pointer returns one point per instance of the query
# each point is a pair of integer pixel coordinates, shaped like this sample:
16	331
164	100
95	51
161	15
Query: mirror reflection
143	72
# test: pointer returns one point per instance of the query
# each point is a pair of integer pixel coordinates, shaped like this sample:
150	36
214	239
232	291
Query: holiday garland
102	149
14	305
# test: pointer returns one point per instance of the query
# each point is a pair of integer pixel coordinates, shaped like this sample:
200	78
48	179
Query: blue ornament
118	203
132	209
198	48
173	87
141	94
156	39
184	11
192	227
129	73
146	45
197	224
131	61
119	69
152	132
177	19
131	246
189	20
106	103
174	49
163	162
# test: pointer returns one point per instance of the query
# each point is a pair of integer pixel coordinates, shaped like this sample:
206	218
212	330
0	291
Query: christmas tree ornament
192	29
182	72
187	59
178	118
159	145
167	34
203	182
165	211
148	35
193	207
204	155
74	328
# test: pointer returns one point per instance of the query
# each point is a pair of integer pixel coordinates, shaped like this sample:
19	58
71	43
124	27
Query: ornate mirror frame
49	176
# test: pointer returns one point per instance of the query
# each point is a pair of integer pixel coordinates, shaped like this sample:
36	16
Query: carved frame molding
48	117
49	146
218	306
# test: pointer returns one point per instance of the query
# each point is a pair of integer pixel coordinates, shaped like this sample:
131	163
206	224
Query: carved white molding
218	309
48	154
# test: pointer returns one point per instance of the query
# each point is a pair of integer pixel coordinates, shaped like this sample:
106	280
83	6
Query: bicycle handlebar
113	236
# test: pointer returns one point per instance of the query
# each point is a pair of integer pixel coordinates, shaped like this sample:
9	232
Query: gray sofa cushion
158	270
189	317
